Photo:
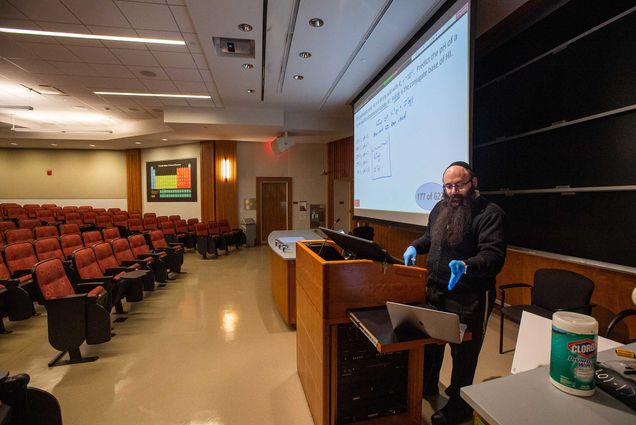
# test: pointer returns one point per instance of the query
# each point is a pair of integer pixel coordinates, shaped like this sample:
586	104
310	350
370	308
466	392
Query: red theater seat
110	233
50	247
15	298
45	232
70	242
91	237
174	251
138	279
67	229
73	318
140	249
19	235
125	256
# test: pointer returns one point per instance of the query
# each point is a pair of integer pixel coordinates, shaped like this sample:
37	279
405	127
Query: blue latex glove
458	268
409	256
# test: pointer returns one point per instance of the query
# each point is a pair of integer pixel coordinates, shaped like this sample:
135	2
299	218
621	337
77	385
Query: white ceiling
359	37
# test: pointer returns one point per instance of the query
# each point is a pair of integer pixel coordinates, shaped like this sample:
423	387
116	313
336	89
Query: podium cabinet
344	378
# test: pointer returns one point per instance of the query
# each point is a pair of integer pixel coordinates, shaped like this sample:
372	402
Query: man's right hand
409	256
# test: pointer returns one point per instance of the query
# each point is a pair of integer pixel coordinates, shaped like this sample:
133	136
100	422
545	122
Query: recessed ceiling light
92	36
298	77
164	140
53	144
248	66
250	90
304	55
316	22
92	146
14	144
138	143
245	27
182	96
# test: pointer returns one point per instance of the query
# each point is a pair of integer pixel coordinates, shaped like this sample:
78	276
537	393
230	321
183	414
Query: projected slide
413	123
172	181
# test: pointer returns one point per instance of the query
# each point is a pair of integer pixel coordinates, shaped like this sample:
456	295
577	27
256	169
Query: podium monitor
359	248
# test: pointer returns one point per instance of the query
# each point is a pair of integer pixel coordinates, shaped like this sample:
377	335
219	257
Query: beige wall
83	177
302	162
184	209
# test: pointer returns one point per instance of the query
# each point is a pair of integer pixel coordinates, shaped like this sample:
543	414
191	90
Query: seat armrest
19	273
514	285
87	286
116	270
502	290
10	282
68	299
96	279
132	262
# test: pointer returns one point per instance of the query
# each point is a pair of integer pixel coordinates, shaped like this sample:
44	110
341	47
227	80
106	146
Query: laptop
434	323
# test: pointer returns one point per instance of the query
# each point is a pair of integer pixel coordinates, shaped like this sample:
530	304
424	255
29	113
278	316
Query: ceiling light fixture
14	144
53	144
20	107
245	27
298	77
316	22
164	140
250	90
92	36
37	130
138	143
248	66
304	55
182	96
92	146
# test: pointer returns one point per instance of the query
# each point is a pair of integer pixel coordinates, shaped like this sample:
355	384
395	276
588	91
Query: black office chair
364	232
27	405
554	290
616	320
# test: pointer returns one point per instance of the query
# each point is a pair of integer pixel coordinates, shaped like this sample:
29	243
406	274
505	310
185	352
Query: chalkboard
590	87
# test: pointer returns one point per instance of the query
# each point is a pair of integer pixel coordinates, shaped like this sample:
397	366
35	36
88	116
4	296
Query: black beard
454	221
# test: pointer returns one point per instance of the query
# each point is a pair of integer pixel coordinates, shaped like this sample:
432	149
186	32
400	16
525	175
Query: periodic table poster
172	181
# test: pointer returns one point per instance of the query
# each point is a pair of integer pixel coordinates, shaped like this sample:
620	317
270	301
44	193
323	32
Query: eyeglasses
457	186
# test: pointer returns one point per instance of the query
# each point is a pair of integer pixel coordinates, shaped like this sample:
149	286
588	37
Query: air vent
233	47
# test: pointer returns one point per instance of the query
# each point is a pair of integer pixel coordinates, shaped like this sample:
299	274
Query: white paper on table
534	342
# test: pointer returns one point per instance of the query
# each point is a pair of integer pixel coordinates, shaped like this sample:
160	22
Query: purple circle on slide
428	195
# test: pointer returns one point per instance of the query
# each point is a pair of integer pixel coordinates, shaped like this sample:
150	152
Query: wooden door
274	209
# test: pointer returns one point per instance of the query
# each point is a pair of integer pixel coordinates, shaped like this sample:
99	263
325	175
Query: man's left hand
458	268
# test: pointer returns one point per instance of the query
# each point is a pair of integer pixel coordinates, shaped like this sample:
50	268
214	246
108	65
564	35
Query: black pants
474	310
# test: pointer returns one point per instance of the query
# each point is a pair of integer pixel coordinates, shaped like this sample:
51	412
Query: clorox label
585	348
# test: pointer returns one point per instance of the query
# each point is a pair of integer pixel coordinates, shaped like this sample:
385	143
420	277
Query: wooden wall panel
133	179
207	181
340	167
612	292
226	199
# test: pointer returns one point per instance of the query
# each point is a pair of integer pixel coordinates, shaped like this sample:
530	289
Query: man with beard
466	249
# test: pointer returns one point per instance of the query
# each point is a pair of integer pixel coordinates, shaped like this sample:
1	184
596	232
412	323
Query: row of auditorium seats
208	238
79	281
212	237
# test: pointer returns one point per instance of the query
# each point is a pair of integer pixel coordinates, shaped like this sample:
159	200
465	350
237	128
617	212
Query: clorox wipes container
573	353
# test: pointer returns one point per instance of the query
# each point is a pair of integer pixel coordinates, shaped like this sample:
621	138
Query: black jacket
483	250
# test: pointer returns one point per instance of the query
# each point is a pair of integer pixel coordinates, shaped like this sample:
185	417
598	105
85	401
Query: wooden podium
326	290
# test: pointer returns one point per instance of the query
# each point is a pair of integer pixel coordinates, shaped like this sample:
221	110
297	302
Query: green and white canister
573	353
